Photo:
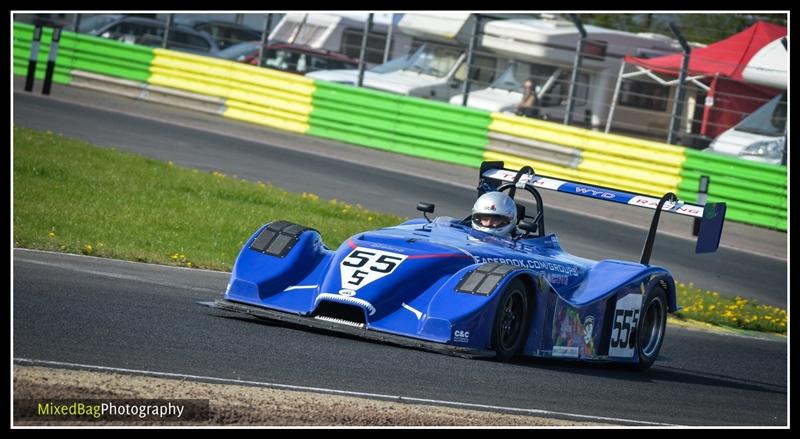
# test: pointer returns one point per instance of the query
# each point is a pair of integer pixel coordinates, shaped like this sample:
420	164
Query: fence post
170	18
573	81
264	38
361	62
51	61
37	38
470	51
702	197
616	96
388	39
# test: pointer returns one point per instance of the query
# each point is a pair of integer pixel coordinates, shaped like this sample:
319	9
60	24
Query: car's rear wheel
652	326
511	321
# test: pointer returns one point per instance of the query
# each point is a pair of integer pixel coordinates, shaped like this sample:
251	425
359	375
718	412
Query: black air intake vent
340	313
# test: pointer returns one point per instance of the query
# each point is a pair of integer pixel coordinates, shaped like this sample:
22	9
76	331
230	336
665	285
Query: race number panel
623	330
365	265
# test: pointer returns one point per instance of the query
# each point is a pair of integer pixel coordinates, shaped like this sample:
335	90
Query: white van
342	33
505	93
544	50
760	137
431	72
434	71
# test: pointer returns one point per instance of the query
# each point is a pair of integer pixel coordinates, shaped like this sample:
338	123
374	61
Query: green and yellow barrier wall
755	193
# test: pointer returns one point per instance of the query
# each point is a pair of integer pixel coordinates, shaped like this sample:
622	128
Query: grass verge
74	197
71	196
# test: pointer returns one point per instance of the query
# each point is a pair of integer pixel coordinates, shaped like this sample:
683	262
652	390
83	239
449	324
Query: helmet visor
489	220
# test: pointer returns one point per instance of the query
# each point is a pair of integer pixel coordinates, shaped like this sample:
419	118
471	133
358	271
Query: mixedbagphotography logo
164	410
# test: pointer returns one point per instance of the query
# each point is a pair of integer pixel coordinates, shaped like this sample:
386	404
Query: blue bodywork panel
404	280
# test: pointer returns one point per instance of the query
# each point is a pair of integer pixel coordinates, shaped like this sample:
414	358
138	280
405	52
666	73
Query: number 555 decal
623	332
365	265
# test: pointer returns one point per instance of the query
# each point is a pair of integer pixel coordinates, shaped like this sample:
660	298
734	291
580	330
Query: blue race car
441	285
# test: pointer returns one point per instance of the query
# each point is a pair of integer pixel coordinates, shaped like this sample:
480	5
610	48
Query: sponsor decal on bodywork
565	351
569	270
365	265
460	336
624	321
570	334
594	192
588	329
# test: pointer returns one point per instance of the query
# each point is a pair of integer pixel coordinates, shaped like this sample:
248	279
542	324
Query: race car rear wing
711	215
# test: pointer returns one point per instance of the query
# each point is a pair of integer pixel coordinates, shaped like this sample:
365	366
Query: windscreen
239	51
508	81
434	61
769	120
93	24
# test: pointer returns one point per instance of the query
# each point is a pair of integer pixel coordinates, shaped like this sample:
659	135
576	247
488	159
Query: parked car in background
224	33
148	32
292	58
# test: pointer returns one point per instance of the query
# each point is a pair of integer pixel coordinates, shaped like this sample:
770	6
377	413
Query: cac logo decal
365	265
460	336
588	329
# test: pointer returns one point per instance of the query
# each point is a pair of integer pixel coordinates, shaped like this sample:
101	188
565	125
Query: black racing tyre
651	328
510	328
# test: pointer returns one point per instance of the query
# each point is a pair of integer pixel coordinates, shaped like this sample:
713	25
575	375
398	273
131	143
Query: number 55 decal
623	333
365	265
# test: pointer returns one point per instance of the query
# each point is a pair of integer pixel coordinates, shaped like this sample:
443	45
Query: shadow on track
657	373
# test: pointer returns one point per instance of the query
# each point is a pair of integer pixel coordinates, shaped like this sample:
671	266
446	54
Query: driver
495	213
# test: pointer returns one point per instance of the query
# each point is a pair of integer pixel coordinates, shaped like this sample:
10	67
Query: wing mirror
426	208
527	226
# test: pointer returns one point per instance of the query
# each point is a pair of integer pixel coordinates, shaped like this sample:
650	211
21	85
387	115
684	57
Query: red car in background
293	58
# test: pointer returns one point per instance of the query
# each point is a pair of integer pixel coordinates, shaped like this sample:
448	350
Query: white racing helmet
495	213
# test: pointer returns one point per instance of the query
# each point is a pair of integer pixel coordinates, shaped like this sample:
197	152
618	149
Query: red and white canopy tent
721	65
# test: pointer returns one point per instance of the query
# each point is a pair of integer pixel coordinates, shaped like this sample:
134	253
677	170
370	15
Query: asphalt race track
728	271
92	311
100	312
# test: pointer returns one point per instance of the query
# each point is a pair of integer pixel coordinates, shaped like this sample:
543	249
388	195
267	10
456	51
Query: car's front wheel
511	321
